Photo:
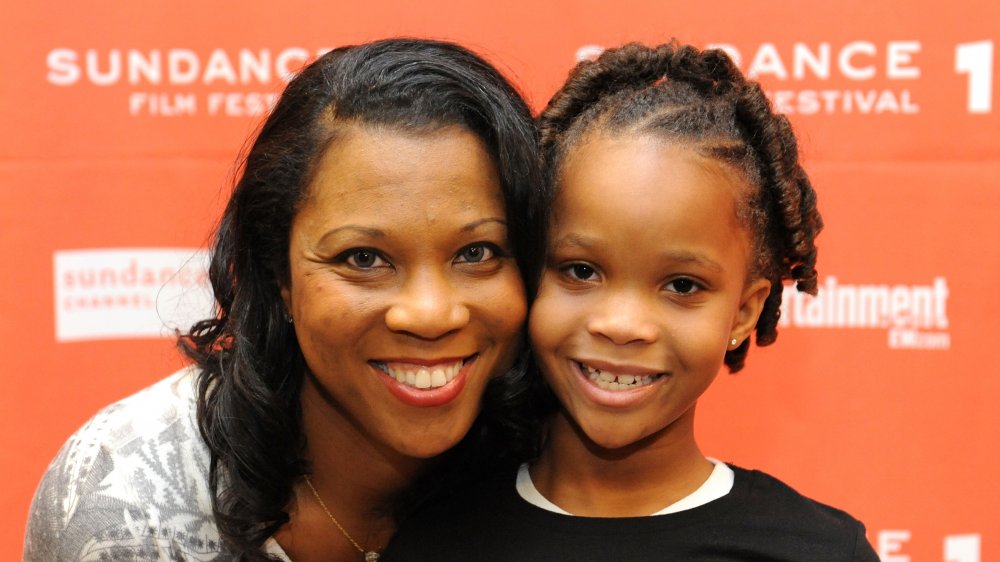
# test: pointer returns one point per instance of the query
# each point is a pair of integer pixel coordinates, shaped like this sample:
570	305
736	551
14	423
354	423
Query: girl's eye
581	271
362	258
475	253
683	286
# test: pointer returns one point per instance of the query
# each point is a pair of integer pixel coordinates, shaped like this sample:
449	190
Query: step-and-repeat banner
120	123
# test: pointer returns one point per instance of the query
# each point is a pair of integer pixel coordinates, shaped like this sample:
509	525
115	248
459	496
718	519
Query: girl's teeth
610	381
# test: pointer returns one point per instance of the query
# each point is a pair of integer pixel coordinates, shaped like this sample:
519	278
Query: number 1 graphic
976	60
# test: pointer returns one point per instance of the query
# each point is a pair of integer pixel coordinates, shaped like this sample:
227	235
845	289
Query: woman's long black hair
251	364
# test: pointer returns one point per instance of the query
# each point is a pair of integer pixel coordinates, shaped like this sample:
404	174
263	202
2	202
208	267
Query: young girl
679	210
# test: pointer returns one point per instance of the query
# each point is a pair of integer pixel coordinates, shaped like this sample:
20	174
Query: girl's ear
751	304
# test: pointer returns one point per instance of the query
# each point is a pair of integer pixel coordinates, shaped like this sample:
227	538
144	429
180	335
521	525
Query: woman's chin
428	446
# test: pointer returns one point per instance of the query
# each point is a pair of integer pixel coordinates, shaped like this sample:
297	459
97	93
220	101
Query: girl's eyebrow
685	256
574	241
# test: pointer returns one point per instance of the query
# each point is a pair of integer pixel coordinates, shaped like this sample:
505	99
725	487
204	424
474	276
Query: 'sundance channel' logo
116	293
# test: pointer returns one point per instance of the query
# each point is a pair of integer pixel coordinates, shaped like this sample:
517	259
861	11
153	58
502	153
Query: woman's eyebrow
376	233
364	230
476	224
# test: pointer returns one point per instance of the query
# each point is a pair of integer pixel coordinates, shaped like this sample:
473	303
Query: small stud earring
732	341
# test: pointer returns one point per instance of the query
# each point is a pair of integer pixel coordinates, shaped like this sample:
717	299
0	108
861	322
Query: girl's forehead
621	162
645	178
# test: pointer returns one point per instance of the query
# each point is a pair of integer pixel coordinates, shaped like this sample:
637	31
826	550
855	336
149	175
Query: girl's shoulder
758	488
767	505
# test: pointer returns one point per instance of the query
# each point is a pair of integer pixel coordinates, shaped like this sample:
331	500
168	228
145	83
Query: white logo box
121	293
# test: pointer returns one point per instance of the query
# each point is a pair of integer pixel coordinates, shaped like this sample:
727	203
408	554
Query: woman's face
405	297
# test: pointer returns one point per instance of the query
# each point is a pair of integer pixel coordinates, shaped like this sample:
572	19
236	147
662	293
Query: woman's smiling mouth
423	376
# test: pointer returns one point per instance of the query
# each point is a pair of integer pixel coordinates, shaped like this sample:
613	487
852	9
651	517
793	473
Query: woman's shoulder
163	413
134	477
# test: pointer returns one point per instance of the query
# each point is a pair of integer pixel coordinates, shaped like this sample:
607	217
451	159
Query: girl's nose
624	319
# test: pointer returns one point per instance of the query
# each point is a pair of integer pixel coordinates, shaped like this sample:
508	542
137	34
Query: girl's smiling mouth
615	379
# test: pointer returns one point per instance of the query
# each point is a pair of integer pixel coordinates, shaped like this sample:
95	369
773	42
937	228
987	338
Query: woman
367	272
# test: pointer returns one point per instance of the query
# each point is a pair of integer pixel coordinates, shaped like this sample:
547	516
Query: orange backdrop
121	122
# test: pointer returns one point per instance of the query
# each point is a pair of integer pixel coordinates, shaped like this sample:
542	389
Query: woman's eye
475	253
581	271
363	258
683	286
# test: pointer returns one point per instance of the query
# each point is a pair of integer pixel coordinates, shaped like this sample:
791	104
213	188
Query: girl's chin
610	440
605	434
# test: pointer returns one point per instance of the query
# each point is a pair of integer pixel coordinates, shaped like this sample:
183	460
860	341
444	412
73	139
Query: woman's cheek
508	303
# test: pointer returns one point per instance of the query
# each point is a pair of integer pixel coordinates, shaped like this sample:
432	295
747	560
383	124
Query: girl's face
405	297
645	284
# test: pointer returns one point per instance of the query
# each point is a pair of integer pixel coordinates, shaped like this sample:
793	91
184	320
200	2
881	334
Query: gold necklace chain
370	555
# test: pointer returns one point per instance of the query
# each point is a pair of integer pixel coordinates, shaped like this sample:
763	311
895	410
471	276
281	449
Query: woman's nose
428	306
624	319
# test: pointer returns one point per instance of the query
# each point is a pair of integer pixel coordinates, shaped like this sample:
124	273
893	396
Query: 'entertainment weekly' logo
115	293
915	316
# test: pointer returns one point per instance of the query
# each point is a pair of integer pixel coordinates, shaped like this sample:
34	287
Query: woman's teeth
611	381
419	376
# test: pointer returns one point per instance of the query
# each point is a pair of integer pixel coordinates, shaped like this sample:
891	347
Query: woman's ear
751	305
286	297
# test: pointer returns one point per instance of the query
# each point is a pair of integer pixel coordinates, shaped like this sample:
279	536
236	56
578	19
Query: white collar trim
718	484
